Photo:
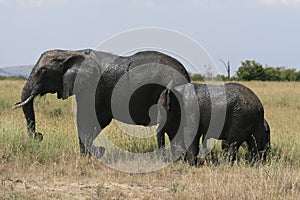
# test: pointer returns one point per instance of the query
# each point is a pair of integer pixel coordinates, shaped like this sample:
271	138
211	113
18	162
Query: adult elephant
92	77
230	112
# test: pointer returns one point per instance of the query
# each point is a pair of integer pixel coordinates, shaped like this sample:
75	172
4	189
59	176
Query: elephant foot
162	156
85	153
203	153
190	159
193	162
207	157
97	152
201	161
178	153
94	151
231	158
37	136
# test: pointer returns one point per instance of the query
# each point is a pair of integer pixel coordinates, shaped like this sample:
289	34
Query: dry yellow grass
53	169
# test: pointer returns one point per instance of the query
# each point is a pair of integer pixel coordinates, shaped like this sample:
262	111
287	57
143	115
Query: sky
267	31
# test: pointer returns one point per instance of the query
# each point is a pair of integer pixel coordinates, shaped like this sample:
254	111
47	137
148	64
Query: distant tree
272	74
221	78
227	67
288	75
197	77
224	78
251	70
298	76
12	77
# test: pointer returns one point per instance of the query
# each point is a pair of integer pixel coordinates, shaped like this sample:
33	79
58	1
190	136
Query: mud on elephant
94	77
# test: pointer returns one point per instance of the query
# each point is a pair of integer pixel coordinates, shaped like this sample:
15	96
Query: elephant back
131	85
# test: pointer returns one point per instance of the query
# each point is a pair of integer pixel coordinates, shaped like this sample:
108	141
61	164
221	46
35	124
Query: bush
252	70
197	77
272	74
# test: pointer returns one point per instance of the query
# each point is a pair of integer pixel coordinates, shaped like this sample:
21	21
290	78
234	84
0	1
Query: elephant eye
43	69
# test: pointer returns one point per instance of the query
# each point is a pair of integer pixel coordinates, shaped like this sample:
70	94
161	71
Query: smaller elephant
230	112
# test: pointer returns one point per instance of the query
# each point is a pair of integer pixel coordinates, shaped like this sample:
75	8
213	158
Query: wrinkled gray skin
87	72
243	119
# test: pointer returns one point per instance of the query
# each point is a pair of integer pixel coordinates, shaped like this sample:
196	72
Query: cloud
3	2
280	2
38	3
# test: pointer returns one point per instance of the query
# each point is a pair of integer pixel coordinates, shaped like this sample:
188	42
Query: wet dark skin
91	76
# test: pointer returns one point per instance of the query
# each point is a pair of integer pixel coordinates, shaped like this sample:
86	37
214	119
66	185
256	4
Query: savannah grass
53	168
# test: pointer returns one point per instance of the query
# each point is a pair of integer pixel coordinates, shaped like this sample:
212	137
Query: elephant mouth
23	103
63	95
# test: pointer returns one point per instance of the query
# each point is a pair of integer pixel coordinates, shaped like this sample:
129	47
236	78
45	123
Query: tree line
252	70
12	78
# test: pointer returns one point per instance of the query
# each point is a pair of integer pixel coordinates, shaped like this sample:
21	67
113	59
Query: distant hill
16	71
4	73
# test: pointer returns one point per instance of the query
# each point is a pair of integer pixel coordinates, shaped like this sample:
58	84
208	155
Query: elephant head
51	74
180	99
175	104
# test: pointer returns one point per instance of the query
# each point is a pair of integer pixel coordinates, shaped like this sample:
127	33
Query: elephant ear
71	61
184	89
191	111
71	67
188	93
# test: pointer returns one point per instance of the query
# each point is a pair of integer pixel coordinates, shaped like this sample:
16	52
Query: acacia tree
273	73
289	75
251	70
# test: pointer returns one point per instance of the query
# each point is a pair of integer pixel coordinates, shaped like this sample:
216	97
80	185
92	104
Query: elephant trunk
26	103
27	100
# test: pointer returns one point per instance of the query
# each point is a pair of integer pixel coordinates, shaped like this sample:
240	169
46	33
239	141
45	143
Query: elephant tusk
20	104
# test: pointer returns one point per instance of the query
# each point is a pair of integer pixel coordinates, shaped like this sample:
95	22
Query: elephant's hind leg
259	144
160	135
238	133
252	155
234	142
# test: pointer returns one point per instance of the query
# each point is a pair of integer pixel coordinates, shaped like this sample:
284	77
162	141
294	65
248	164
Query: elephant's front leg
204	151
178	147
192	144
177	150
160	135
88	128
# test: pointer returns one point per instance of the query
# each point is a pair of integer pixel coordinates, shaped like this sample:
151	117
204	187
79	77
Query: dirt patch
66	189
